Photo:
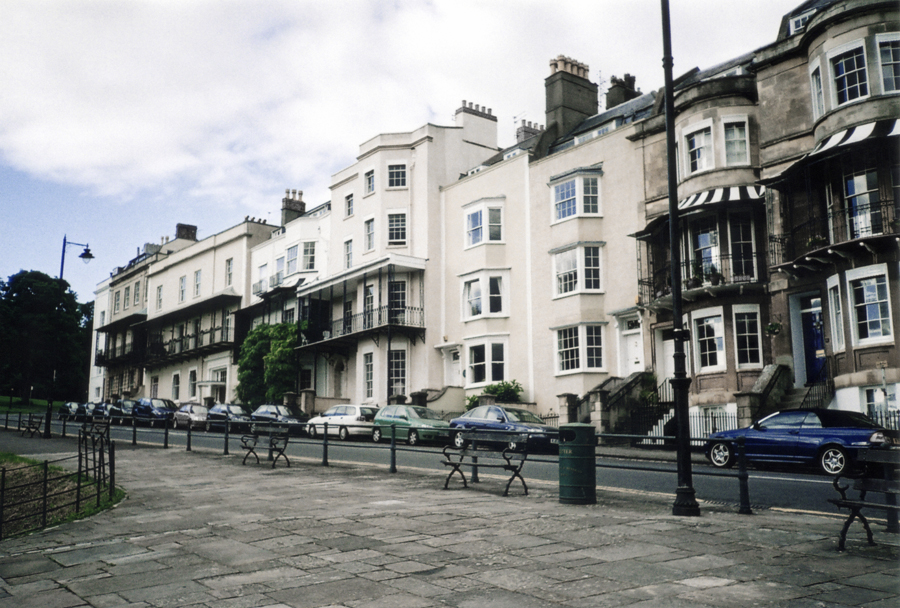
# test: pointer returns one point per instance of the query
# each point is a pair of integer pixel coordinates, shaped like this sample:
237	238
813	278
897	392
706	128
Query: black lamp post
685	501
86	255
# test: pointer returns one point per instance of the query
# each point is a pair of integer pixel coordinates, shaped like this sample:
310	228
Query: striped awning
846	137
881	128
722	195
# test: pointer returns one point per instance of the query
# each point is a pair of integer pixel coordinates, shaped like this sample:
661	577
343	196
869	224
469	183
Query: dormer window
798	23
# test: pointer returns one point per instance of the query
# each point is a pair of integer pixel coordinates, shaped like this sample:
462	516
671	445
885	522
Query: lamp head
86	255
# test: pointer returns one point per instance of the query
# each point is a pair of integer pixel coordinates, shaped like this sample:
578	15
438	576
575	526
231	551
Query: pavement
198	529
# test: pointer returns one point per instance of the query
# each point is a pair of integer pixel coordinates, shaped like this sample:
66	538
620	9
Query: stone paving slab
198	529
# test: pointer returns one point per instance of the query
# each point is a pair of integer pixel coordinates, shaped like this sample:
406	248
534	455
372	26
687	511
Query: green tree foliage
267	368
45	338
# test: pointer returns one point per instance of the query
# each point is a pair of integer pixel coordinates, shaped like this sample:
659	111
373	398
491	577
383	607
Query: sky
121	118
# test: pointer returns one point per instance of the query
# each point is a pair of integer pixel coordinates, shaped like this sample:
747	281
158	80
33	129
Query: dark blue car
830	439
512	420
155	412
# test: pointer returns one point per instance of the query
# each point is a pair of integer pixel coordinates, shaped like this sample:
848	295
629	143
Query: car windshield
162	403
523	416
368	412
235	409
424	413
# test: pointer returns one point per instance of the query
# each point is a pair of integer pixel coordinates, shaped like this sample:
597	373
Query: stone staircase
793	398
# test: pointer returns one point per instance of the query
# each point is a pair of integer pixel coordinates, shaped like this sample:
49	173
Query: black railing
820	392
214	336
712	271
121	353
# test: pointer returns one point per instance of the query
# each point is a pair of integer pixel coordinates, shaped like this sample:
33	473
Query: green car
414	423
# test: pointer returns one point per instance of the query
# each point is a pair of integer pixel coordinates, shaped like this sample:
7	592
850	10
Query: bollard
271	430
133	430
112	470
475	464
189	436
165	433
393	448
227	427
65	418
743	478
47	417
325	446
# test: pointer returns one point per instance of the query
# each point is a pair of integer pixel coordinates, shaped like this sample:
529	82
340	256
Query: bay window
889	57
579	348
709	339
484	224
747	340
699	148
848	68
737	149
487	362
870	305
292	259
576	195
477	303
577	269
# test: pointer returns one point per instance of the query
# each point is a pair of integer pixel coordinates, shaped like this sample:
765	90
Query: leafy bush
505	392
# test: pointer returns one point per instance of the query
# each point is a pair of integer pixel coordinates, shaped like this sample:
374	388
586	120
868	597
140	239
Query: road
786	489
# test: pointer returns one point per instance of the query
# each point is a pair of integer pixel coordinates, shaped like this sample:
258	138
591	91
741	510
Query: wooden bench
476	457
887	485
33	425
275	441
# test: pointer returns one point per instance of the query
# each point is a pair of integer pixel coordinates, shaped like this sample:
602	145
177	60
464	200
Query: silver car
343	421
190	414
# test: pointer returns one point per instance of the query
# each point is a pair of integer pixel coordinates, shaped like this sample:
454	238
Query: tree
44	337
267	367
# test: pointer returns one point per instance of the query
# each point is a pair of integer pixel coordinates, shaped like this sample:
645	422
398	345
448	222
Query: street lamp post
86	255
685	500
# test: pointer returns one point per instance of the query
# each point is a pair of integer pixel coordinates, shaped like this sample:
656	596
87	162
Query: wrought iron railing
820	391
160	348
374	318
712	271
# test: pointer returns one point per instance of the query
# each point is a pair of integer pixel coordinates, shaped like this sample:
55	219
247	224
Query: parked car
283	415
412	423
541	436
343	421
120	412
830	439
154	411
190	414
99	410
68	410
234	414
84	411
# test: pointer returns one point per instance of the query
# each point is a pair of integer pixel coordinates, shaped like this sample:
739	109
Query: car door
776	437
401	421
337	417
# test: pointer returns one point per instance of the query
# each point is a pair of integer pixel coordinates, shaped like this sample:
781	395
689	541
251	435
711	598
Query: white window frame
732	120
747	309
879	39
137	293
483	228
400	170
369	375
798	23
292	254
483	279
487	342
721	364
192	382
578	179
581	348
127	298
176	386
836	313
182	288
395	242
309	255
159	297
117	302
832	77
348	253
857	274
369	234
198	274
390	363
580	269
817	92
348	205
691	130
369	182
229	271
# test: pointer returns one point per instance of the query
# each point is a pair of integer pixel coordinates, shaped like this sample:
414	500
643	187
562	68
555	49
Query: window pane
564	199
396	176
370	234
473	298
592	268
850	75
397	372
396	228
747	338
710	341
496	298
864	210
566	271
473	228
873	317
497	360
309	256
837	318
594	343
495	219
818	95
477	369
591	195
890	65
736	143
567	348
699	146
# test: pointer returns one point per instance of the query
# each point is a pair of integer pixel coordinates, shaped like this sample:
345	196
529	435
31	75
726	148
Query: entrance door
632	347
813	336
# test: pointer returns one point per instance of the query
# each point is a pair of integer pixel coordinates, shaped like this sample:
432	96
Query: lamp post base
685	504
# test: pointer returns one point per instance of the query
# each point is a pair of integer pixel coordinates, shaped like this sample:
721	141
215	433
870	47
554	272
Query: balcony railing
259	287
714	271
375	318
835	227
119	354
189	344
276	280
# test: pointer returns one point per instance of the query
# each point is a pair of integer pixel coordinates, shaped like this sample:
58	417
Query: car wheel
376	435
311	431
458	440
174	423
833	460
413	438
344	434
722	455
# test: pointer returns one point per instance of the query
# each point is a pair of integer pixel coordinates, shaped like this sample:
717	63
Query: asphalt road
790	489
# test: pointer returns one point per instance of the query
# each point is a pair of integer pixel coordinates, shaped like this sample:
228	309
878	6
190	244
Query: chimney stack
620	91
186	232
527	130
292	206
571	97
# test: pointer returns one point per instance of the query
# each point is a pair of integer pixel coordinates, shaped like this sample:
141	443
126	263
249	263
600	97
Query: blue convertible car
830	439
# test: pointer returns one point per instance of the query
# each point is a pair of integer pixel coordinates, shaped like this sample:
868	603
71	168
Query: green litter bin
577	470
